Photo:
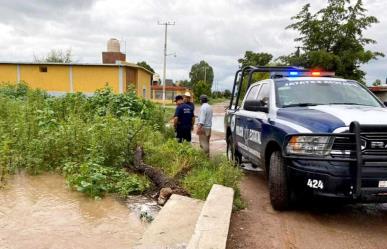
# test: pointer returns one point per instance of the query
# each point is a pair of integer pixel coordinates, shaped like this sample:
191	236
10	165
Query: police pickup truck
311	132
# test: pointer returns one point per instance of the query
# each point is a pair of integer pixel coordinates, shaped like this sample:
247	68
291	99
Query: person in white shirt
205	124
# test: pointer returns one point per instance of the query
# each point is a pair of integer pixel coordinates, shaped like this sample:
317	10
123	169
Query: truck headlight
310	145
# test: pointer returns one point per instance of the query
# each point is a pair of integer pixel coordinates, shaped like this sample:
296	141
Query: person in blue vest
184	120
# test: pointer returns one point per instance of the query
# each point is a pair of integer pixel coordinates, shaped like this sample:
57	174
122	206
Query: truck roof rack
275	72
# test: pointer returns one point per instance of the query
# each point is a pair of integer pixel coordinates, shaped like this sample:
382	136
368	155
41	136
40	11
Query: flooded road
218	122
41	212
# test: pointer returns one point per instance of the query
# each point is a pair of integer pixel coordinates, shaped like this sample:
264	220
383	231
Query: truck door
253	126
242	123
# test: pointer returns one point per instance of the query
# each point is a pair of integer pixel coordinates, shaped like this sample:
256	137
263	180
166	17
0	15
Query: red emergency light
316	73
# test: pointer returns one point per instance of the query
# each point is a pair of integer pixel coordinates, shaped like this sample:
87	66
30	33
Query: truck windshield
322	92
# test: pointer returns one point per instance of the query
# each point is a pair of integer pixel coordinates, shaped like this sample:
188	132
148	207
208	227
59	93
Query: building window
144	93
43	69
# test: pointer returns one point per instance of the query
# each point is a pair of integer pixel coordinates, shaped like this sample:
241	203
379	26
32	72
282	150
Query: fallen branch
166	185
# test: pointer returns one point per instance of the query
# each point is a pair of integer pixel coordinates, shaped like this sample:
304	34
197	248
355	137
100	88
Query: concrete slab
211	230
173	226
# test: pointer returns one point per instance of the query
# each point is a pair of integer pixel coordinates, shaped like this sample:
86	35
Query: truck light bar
275	72
302	74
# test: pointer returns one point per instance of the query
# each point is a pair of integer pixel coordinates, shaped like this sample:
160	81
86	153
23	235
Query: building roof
170	88
382	88
125	64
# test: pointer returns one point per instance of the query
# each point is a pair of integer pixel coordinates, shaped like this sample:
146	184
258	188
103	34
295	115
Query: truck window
323	92
264	93
253	93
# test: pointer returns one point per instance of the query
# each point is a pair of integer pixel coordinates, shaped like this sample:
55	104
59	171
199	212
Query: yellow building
61	78
58	78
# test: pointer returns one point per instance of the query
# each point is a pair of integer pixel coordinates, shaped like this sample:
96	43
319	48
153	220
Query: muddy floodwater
41	212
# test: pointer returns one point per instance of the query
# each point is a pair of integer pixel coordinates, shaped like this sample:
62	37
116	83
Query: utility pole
165	24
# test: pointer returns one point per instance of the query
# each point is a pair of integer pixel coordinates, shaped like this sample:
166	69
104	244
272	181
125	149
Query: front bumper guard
356	157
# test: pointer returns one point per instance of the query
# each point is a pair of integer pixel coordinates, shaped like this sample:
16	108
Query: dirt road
312	225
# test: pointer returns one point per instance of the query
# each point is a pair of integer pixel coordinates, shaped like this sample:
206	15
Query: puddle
41	212
218	123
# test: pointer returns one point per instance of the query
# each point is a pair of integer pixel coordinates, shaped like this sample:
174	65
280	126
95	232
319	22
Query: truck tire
232	153
278	183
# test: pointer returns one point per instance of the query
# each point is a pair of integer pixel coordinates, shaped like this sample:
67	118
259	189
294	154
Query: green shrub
95	180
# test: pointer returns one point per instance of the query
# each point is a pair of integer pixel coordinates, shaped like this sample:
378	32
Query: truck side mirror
255	106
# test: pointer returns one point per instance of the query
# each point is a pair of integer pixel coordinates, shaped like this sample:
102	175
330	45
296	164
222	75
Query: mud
41	212
313	224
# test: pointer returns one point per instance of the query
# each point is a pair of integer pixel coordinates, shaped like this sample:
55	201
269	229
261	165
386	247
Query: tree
146	66
56	56
186	83
332	38
227	93
201	88
255	59
377	82
217	94
202	71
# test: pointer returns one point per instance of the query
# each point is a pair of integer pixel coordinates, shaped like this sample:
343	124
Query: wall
144	82
131	78
112	57
87	79
8	73
169	96
56	78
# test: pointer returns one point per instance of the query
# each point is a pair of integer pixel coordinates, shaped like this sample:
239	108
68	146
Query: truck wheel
278	184
232	153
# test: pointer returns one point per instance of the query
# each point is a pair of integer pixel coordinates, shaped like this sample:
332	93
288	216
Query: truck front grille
373	147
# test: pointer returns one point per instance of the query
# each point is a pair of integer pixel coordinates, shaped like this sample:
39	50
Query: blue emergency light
293	73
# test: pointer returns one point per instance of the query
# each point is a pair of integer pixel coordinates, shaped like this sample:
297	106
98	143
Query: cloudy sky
218	31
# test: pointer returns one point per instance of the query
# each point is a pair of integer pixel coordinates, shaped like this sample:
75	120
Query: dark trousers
183	134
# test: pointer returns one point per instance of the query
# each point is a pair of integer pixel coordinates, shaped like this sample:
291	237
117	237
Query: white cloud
217	31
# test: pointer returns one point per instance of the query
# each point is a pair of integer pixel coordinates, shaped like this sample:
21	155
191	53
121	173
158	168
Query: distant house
380	92
169	82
